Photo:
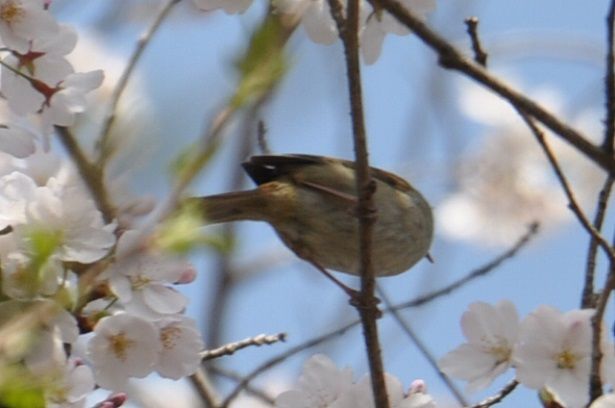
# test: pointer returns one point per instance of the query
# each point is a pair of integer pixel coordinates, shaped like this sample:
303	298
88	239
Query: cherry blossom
48	352
68	98
23	21
141	280
69	220
315	18
43	63
71	387
491	333
16	141
554	351
41	79
320	385
181	345
360	395
123	346
605	401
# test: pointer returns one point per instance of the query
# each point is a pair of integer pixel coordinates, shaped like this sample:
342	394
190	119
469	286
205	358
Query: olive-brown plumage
310	201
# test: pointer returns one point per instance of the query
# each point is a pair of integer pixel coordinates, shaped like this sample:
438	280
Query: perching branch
365	187
609	83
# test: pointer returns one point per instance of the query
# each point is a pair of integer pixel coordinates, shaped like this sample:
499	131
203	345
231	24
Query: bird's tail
235	206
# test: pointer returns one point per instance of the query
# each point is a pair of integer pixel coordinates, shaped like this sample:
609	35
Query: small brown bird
311	201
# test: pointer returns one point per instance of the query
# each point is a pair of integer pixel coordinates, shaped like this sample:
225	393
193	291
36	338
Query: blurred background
466	150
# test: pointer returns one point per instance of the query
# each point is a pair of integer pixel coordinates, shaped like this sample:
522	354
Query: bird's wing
266	168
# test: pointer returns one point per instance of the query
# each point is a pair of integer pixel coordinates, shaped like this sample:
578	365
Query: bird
311	202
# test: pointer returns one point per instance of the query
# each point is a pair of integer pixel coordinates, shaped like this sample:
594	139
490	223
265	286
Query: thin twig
92	175
203	386
572	201
269	364
450	58
422	347
103	139
609	83
480	56
487	402
367	306
588	299
231	348
476	273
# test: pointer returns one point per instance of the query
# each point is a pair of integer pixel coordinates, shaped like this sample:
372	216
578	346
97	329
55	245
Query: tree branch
365	187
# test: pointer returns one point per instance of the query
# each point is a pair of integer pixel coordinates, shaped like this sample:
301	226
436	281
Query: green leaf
263	64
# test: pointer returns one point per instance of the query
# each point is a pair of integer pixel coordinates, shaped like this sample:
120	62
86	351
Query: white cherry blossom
181	345
554	351
37	71
491	333
22	21
360	395
141	279
71	387
315	16
605	401
320	385
16	141
123	346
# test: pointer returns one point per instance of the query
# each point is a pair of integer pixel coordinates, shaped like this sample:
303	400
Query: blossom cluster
323	384
316	19
549	350
94	301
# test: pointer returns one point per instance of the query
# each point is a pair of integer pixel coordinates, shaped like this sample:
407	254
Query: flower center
139	282
566	360
120	344
499	348
501	352
169	335
11	11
